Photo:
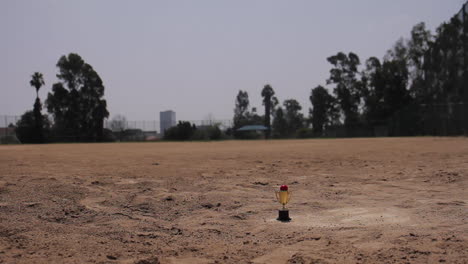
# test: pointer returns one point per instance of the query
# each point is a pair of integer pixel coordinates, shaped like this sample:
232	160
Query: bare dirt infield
390	200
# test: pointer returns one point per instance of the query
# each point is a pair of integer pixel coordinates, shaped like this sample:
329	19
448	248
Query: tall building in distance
167	120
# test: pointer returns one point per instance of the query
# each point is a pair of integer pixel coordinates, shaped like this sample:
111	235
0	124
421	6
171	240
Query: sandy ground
390	200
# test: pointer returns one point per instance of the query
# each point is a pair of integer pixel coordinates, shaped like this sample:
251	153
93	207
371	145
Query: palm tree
37	81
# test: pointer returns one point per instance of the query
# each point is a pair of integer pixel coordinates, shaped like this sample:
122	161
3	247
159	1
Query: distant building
167	119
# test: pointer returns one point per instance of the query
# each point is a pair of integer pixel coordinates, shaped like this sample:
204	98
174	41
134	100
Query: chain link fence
450	119
121	130
7	129
150	130
155	125
441	119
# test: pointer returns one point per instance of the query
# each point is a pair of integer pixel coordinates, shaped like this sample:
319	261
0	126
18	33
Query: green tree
242	116
26	129
268	101
183	131
119	124
373	85
384	89
253	118
395	81
449	85
241	111
37	81
443	93
76	101
293	116
418	46
323	110
347	86
280	125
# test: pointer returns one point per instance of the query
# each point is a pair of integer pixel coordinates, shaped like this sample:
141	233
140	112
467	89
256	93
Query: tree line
75	103
419	88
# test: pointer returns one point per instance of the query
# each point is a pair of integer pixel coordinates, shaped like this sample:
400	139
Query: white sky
194	56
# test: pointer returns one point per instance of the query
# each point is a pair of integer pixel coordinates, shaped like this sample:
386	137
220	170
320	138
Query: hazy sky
194	56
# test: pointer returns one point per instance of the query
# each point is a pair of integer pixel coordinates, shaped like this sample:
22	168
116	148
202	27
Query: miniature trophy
283	196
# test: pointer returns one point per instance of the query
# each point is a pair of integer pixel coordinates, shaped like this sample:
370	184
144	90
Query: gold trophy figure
283	196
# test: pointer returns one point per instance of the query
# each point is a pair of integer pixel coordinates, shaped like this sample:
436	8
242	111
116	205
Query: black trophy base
283	216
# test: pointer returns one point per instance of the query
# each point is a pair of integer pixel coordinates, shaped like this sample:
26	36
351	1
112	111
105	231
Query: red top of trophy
283	188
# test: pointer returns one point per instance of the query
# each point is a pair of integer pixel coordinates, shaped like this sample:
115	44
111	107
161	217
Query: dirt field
398	200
